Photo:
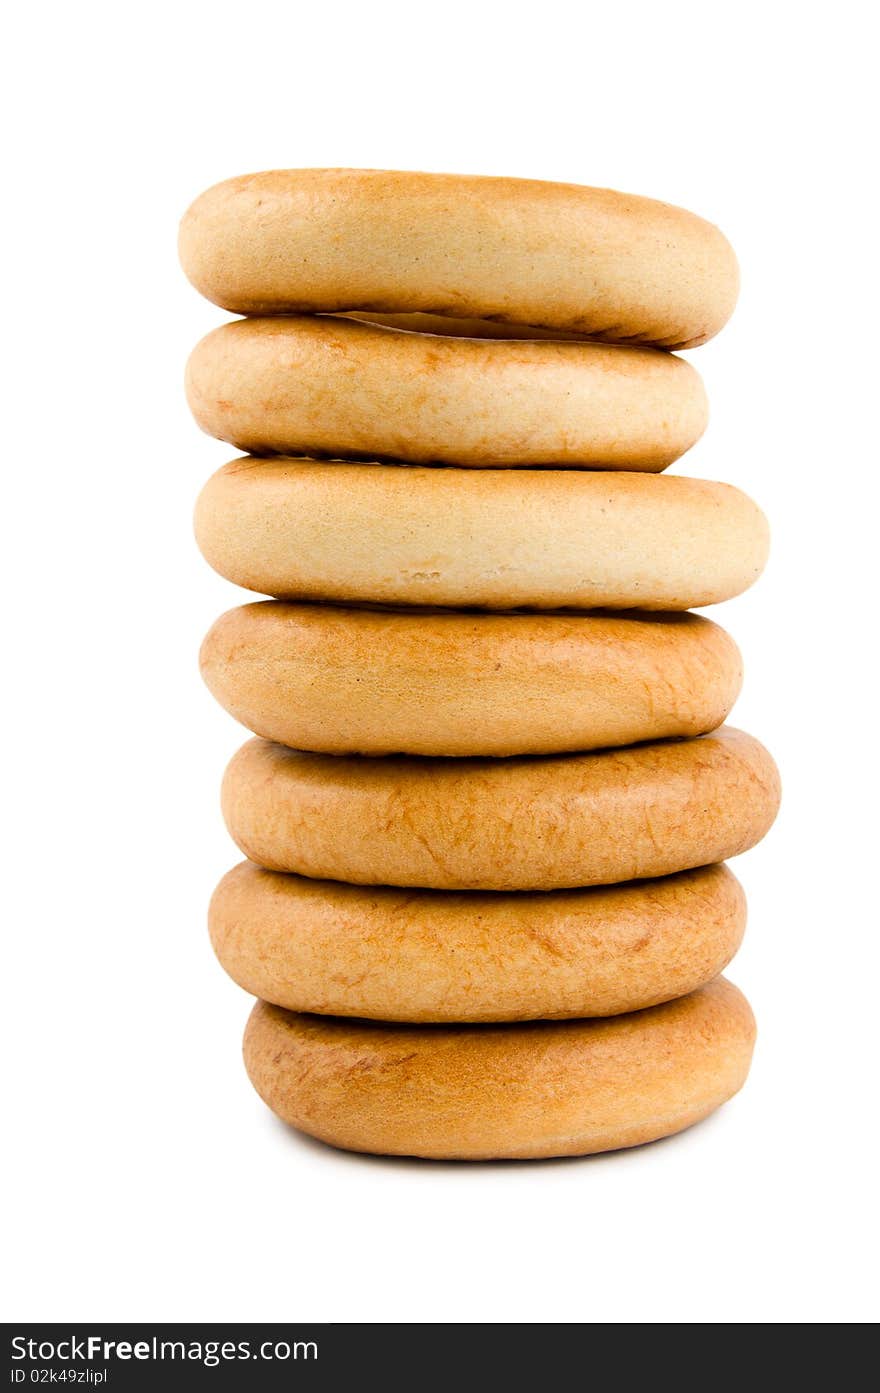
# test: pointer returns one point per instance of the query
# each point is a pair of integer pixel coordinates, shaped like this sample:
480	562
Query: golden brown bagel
360	681
609	264
335	387
429	955
493	538
546	1088
518	824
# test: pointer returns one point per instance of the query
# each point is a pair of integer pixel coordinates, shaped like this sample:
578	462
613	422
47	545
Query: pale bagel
519	824
491	538
596	261
334	387
430	955
362	681
546	1088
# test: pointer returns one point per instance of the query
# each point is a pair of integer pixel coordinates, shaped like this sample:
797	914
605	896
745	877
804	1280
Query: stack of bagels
491	791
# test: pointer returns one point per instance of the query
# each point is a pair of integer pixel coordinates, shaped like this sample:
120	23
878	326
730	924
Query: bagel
344	681
429	955
609	264
340	388
520	824
546	1088
497	539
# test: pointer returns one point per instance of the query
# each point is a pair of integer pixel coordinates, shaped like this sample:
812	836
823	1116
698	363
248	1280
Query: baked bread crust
491	538
562	256
519	824
435	956
335	387
563	1088
454	683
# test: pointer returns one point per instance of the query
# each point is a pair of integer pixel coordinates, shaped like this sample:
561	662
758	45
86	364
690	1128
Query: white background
146	1180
